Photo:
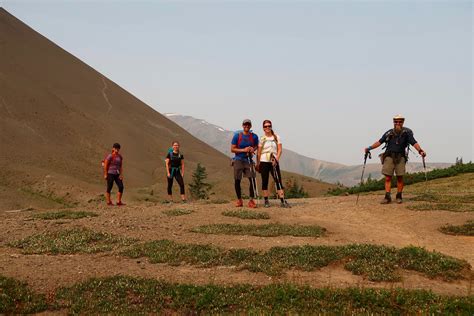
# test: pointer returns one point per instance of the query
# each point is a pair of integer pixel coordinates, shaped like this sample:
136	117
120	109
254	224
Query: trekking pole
426	174
254	182
367	154
277	180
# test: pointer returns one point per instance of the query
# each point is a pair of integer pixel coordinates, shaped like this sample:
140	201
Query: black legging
179	179
111	178
266	168
238	190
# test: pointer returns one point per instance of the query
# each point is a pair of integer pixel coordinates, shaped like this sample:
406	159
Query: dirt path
369	222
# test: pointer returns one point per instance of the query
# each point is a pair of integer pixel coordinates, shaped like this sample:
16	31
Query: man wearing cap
243	145
394	158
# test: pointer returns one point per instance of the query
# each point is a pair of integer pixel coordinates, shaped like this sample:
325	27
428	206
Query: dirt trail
368	222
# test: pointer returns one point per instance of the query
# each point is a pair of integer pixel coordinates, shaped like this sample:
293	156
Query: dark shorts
242	168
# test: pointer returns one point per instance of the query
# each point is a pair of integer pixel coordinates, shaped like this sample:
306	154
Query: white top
269	146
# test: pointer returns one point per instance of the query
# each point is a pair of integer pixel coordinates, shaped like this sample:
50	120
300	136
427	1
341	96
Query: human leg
110	183
179	179
238	169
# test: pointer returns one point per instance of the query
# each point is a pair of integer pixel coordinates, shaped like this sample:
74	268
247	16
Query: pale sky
329	74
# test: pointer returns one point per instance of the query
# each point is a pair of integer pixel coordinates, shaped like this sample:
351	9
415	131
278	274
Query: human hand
121	177
422	153
274	161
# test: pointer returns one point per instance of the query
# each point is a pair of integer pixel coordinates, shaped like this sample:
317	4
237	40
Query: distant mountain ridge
59	117
220	138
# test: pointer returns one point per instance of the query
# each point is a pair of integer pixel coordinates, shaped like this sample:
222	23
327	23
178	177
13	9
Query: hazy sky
329	74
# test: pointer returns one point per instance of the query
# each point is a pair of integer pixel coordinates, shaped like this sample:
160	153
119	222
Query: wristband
369	148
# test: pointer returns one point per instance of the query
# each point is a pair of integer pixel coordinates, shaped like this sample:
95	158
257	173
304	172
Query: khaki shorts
243	168
389	167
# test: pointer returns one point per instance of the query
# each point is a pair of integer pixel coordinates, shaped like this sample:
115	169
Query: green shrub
409	178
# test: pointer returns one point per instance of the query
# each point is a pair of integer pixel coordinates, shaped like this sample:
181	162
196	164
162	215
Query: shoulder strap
241	134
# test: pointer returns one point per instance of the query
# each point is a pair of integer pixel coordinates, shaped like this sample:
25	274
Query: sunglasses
397	122
267	126
249	125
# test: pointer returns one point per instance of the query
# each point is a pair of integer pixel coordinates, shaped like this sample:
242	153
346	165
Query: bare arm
167	164
236	150
420	151
259	153
373	146
106	167
279	151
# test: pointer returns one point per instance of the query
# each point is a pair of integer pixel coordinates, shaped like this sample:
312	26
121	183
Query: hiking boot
285	204
120	204
387	199
110	203
266	204
239	203
252	204
399	198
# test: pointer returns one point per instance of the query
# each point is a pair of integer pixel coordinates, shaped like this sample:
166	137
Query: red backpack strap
239	140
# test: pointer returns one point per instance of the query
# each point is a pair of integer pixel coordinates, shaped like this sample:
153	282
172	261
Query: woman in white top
268	156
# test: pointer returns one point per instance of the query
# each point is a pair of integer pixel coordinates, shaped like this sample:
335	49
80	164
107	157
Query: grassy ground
65	215
76	240
245	214
377	263
465	230
269	230
128	295
17	298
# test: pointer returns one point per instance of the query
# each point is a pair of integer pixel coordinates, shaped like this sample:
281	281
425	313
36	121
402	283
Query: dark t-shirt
398	143
175	159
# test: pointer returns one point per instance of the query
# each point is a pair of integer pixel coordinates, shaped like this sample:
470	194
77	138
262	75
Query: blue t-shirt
246	141
398	143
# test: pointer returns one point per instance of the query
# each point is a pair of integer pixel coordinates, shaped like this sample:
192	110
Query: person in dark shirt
113	172
394	158
244	145
175	170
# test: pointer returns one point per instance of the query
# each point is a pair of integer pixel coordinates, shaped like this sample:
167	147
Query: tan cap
398	117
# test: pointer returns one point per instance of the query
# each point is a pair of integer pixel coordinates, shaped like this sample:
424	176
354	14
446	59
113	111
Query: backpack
390	134
170	152
105	158
239	139
275	139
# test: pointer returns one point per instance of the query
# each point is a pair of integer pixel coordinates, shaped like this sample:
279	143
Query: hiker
243	145
268	157
113	172
395	156
175	170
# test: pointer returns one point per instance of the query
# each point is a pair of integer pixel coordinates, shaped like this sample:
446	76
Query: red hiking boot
252	204
239	203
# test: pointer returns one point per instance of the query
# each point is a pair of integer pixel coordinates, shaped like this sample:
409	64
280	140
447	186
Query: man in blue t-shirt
395	157
244	144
